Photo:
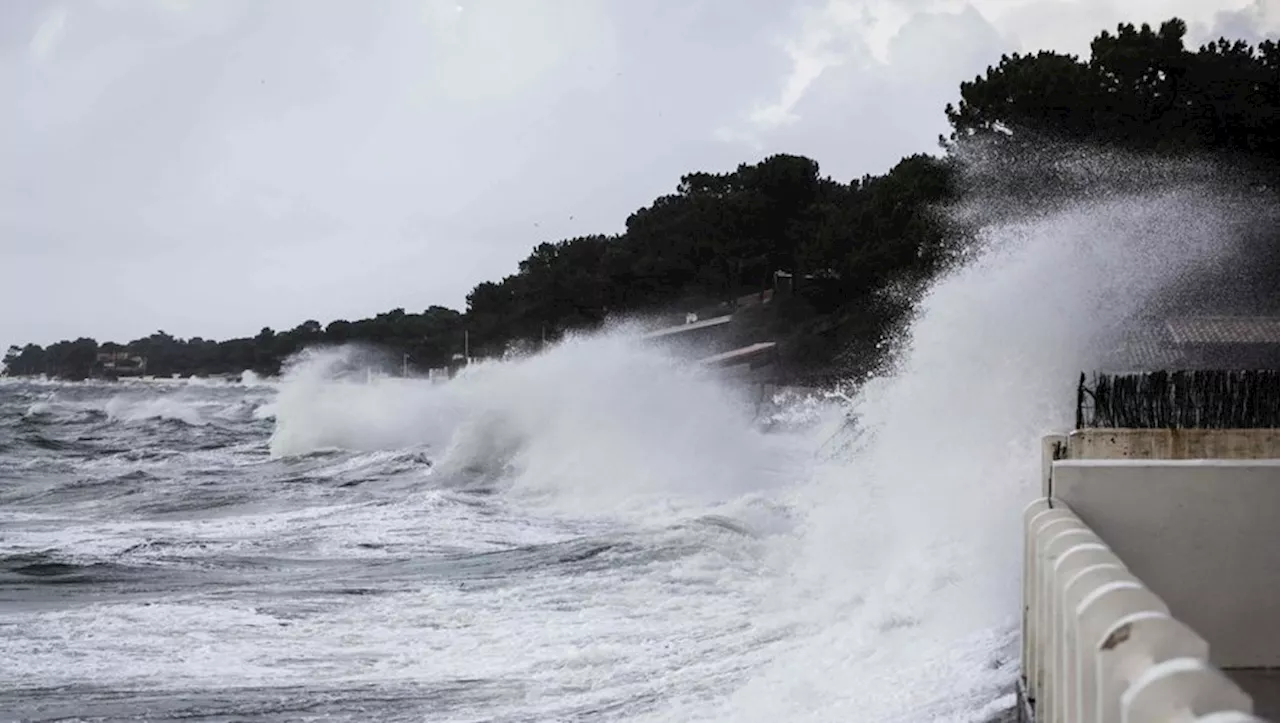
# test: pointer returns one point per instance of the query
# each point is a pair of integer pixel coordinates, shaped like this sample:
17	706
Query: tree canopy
1140	89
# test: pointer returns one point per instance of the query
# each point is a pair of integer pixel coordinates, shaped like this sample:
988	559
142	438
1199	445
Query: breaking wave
896	592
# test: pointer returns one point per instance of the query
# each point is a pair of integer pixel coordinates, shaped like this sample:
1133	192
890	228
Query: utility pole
404	366
466	346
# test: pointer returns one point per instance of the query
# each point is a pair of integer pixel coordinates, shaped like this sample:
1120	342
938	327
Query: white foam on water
594	425
174	407
251	379
42	407
326	402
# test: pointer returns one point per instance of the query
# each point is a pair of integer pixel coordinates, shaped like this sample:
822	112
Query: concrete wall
1204	535
1174	444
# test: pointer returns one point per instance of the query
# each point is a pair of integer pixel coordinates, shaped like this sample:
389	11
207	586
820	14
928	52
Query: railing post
1030	514
1058	547
1044	527
1080	659
1088	554
1096	616
1135	644
1184	689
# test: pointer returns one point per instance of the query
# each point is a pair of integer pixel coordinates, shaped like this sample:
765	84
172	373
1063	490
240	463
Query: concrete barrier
1169	444
1099	646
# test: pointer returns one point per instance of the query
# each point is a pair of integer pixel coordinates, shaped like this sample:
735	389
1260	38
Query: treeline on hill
722	235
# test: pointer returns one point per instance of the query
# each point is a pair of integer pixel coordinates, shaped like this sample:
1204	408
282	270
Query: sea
599	532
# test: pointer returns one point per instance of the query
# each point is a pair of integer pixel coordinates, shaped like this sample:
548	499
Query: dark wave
720	522
48	568
182	500
570	557
80	489
51	444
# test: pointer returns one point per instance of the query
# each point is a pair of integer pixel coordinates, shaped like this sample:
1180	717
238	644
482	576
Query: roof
682	328
1144	355
1224	330
738	355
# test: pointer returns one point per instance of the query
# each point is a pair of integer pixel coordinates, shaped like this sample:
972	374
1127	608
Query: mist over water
597	532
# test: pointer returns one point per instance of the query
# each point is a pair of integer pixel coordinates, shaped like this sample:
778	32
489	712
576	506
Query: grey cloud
862	118
1070	25
1253	23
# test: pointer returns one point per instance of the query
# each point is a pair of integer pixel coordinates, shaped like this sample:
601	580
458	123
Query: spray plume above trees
722	235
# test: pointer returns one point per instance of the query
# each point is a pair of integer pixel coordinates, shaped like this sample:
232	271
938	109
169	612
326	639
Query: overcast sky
208	167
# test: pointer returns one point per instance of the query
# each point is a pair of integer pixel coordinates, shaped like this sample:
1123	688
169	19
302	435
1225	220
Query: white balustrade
1099	647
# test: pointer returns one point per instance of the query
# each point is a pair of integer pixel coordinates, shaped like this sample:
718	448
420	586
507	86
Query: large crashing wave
906	573
604	418
898	588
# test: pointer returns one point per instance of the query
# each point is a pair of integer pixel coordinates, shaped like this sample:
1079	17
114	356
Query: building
1200	342
1226	342
115	364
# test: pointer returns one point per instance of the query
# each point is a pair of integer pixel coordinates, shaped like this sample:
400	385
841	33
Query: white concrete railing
1099	646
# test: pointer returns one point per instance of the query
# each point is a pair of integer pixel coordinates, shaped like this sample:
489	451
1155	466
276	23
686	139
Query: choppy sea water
351	549
158	561
596	533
